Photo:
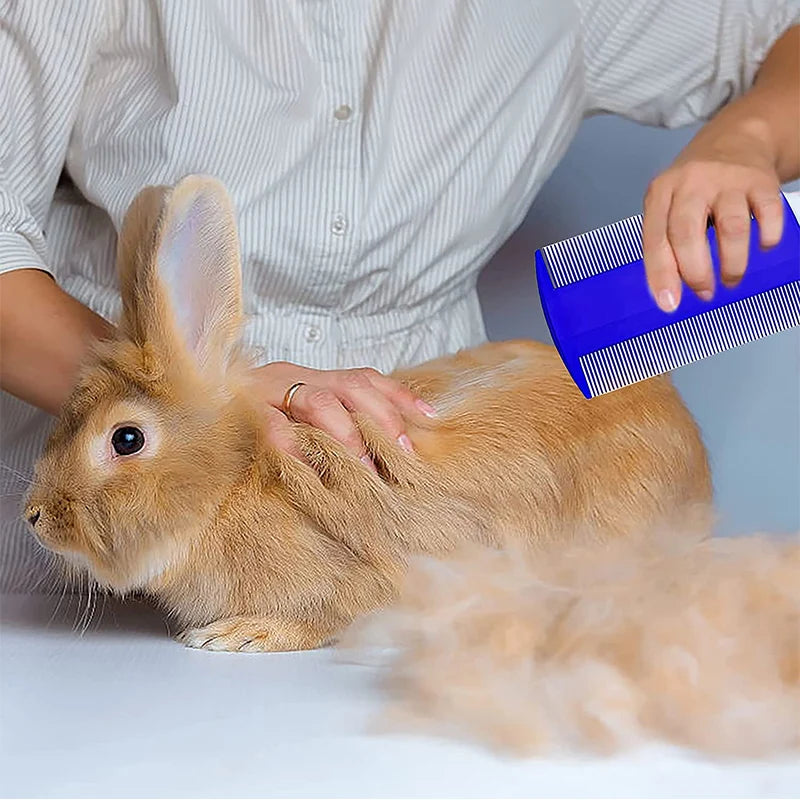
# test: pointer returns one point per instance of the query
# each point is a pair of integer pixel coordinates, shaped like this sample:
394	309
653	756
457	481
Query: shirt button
343	112
339	225
313	334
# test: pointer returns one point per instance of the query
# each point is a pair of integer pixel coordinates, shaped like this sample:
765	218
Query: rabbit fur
251	549
597	647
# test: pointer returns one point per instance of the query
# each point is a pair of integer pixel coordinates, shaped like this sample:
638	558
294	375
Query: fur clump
600	647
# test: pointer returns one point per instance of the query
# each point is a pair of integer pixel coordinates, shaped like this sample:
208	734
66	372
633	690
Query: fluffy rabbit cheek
148	567
119	566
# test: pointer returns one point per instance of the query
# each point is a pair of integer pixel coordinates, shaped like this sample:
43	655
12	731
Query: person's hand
724	175
328	400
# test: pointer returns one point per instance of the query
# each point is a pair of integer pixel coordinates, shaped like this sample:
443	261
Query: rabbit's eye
127	440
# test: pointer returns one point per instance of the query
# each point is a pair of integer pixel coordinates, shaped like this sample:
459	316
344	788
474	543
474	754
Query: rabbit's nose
33	514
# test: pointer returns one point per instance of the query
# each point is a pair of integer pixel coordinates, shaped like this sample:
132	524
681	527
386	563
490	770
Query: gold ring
287	399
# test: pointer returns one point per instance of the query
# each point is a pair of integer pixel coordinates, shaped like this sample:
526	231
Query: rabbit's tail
600	646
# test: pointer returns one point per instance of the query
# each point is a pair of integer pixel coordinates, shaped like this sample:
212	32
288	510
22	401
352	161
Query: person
378	153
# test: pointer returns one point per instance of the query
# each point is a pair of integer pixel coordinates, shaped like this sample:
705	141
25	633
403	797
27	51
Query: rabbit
251	549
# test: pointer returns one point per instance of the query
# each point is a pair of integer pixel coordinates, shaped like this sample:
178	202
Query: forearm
44	336
769	112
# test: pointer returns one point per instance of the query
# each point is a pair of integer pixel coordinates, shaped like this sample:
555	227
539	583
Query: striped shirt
378	152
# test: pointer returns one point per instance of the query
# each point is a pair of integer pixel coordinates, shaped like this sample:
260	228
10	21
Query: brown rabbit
252	549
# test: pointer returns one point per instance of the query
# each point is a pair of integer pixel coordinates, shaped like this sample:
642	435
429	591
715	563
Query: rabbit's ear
180	273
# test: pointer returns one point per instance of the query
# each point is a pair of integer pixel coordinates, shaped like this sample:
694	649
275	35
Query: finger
357	393
401	396
321	408
732	222
767	208
280	434
686	230
659	260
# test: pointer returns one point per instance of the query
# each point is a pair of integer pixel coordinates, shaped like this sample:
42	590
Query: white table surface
124	711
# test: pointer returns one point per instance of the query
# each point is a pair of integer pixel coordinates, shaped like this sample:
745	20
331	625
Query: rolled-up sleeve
673	62
44	58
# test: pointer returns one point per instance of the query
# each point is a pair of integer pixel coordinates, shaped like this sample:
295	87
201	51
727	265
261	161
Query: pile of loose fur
600	647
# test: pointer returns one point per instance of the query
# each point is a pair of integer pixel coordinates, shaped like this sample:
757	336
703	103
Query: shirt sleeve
673	62
44	59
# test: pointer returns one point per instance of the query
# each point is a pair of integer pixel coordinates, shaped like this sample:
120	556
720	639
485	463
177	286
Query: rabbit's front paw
253	634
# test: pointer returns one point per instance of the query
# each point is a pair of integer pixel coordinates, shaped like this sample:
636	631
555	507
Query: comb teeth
692	339
594	252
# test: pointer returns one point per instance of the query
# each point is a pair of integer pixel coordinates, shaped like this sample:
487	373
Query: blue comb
610	332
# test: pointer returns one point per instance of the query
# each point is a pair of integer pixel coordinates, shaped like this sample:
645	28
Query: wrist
767	123
758	128
739	135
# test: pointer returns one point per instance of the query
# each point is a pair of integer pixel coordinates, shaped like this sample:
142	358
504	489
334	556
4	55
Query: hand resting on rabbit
157	477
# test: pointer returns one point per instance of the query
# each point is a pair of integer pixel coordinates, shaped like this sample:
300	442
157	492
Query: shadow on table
81	616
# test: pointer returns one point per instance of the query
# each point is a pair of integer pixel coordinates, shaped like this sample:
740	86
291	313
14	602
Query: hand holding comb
610	332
